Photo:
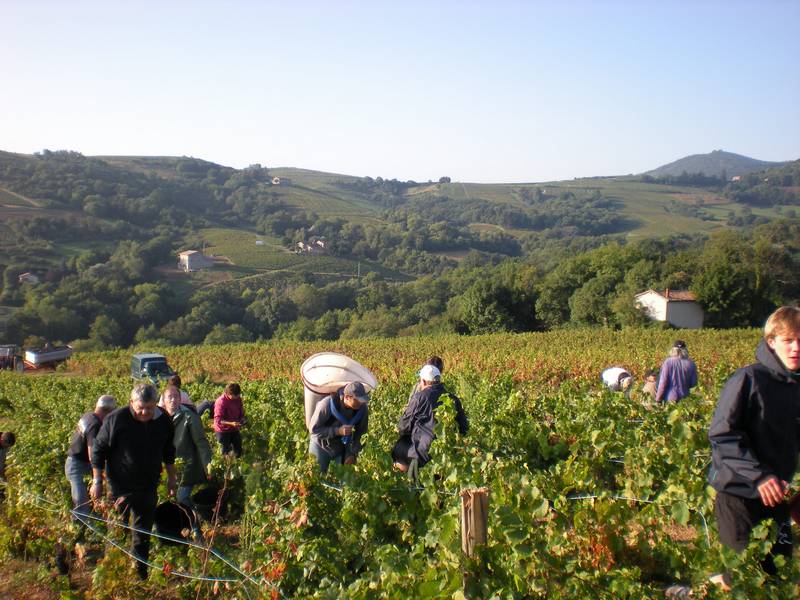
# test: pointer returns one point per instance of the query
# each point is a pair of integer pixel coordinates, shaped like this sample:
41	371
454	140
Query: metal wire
81	517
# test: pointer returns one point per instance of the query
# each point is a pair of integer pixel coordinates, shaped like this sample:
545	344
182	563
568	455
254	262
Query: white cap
429	373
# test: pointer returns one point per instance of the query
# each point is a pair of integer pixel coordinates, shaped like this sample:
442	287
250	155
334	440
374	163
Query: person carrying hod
755	440
336	427
417	423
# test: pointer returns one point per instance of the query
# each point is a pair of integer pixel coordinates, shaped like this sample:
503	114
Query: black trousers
231	441
736	518
401	448
140	505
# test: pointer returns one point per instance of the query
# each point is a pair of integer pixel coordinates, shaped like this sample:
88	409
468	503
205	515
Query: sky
501	91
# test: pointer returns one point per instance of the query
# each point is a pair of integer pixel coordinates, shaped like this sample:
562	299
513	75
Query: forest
563	267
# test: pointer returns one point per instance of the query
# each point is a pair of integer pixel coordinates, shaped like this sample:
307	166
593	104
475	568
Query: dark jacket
133	450
755	431
418	420
191	445
324	424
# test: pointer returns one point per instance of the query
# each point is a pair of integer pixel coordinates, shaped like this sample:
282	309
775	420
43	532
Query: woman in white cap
79	466
417	424
338	422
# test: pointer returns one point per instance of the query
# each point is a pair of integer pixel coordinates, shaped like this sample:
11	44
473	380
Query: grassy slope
644	203
317	191
240	247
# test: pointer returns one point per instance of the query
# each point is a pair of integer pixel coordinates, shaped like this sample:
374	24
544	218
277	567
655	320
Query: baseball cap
357	390
106	401
429	373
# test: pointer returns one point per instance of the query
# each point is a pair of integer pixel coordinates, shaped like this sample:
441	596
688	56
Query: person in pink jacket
228	417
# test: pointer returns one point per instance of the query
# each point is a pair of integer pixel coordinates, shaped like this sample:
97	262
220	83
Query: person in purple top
678	375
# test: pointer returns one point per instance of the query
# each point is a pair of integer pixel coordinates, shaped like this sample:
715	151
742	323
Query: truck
150	367
11	358
47	356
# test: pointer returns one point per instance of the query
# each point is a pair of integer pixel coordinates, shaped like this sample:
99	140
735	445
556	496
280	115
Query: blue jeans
184	495
76	471
323	456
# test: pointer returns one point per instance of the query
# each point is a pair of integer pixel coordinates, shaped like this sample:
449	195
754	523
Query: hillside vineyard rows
591	495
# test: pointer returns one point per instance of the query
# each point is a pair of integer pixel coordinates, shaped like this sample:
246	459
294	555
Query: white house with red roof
679	308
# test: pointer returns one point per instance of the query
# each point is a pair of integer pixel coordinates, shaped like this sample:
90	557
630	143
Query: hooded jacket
191	445
755	432
324	425
418	420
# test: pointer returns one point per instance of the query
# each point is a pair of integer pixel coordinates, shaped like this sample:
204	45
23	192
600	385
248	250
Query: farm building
313	246
29	278
679	308
193	260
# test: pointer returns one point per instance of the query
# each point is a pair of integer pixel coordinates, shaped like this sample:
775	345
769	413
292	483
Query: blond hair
784	320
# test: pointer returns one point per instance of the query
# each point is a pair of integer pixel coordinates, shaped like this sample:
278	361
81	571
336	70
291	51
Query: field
592	495
240	248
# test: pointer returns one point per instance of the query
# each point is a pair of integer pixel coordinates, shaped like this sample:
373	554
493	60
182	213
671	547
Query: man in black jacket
134	441
755	438
416	427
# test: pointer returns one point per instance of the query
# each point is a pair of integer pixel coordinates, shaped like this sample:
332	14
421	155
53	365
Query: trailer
11	358
49	356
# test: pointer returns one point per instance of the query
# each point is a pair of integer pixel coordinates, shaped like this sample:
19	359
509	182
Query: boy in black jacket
755	439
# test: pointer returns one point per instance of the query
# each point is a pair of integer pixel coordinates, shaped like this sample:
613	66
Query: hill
714	164
305	255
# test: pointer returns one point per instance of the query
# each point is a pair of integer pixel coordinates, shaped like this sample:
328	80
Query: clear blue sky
479	91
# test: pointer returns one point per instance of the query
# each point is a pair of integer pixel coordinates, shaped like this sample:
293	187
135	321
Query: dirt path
25	199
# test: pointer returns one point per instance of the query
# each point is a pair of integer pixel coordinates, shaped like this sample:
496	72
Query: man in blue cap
338	422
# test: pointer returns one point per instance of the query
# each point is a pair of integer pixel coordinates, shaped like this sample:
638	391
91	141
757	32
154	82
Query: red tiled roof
674	295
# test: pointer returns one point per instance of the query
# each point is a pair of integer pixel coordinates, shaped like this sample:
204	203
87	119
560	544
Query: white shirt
611	377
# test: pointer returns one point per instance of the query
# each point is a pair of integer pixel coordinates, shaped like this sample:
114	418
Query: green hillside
304	255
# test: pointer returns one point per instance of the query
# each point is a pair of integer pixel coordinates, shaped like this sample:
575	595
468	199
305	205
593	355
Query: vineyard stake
474	519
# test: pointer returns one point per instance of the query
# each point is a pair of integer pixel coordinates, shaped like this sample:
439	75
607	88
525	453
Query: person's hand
172	485
96	491
772	491
350	460
344	430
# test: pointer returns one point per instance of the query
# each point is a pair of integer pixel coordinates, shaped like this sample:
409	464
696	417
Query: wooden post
474	519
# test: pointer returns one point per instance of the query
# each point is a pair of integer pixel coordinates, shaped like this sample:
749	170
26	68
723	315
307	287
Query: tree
590	304
105	331
486	307
231	334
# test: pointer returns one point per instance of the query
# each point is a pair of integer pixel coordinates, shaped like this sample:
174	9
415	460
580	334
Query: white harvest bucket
325	372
